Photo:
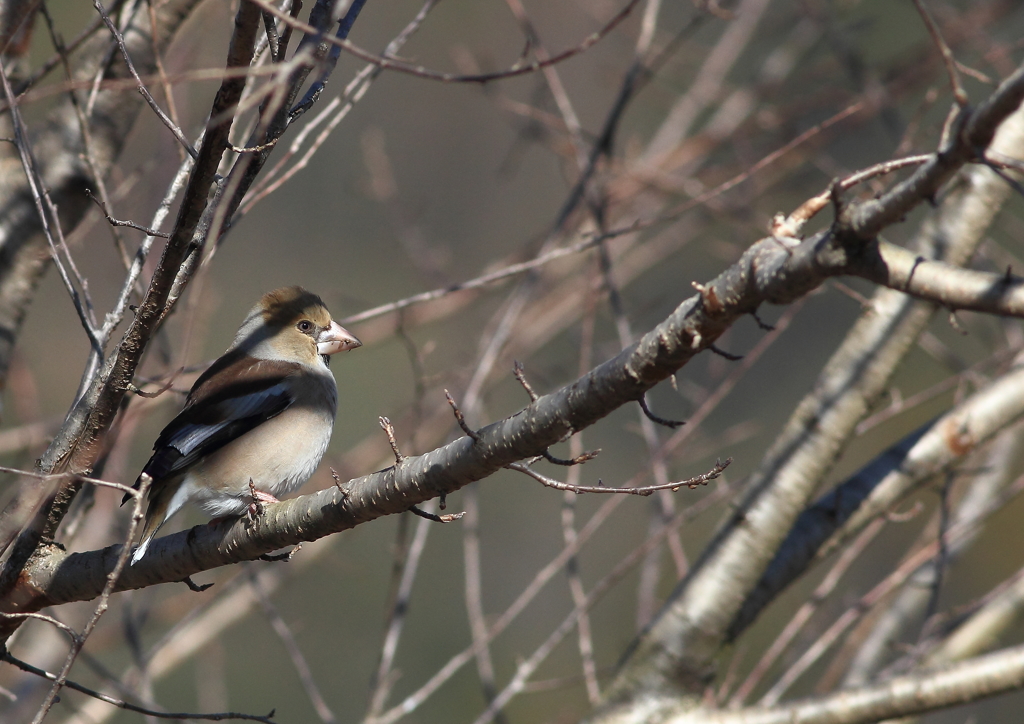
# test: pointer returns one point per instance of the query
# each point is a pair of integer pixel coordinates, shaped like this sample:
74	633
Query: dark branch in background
344	27
959	95
127	706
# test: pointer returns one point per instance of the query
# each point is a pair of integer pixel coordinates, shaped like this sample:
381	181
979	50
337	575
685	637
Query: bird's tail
141	550
156	514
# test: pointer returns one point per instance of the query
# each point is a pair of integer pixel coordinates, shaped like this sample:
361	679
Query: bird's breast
278	455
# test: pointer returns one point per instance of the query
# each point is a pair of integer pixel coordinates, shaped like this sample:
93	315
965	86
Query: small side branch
459	418
150	100
119	222
520	374
567	462
389	430
959	95
195	587
654	418
646	490
446	518
722	353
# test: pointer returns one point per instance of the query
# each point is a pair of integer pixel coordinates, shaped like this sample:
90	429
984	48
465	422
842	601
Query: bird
257	422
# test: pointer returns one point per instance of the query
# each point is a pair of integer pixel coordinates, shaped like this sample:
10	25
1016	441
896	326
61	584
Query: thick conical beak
335	339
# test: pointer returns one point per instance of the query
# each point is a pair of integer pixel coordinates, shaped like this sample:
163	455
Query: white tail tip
140	551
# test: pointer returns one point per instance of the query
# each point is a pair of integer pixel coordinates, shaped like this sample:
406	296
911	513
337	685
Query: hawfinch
263	413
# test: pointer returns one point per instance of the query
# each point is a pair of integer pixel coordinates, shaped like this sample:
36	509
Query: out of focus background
424	184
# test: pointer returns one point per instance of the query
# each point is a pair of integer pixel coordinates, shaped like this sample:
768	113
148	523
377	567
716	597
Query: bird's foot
258	499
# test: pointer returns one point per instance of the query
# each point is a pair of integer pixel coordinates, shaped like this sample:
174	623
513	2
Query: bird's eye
305	326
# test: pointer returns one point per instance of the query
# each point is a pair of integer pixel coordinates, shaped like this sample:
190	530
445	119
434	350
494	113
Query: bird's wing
229	400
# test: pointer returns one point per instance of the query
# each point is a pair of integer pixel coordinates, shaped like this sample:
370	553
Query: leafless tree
829	533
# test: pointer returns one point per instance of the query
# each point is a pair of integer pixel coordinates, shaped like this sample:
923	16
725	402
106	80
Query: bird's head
293	324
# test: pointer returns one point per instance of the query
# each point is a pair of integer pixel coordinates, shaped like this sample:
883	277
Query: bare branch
143	91
294	653
959	95
121	704
77	642
915	693
768	271
447	518
419	71
691	483
697	620
130	224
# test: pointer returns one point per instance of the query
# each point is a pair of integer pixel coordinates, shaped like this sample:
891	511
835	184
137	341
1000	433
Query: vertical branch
474	595
79	641
78	443
385	679
569	534
294	653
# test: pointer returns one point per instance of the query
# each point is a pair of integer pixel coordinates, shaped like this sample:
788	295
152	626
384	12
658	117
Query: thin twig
79	641
474	595
673	424
942	558
354	91
164	118
691	483
520	373
575	460
284	633
527	595
527	667
43	617
42	202
422	72
71	476
130	224
902	573
459	418
83	124
959	95
389	430
446	518
584	635
397	617
806	610
122	704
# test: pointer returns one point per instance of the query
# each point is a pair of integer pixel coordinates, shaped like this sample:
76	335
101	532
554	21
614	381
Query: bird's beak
336	339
